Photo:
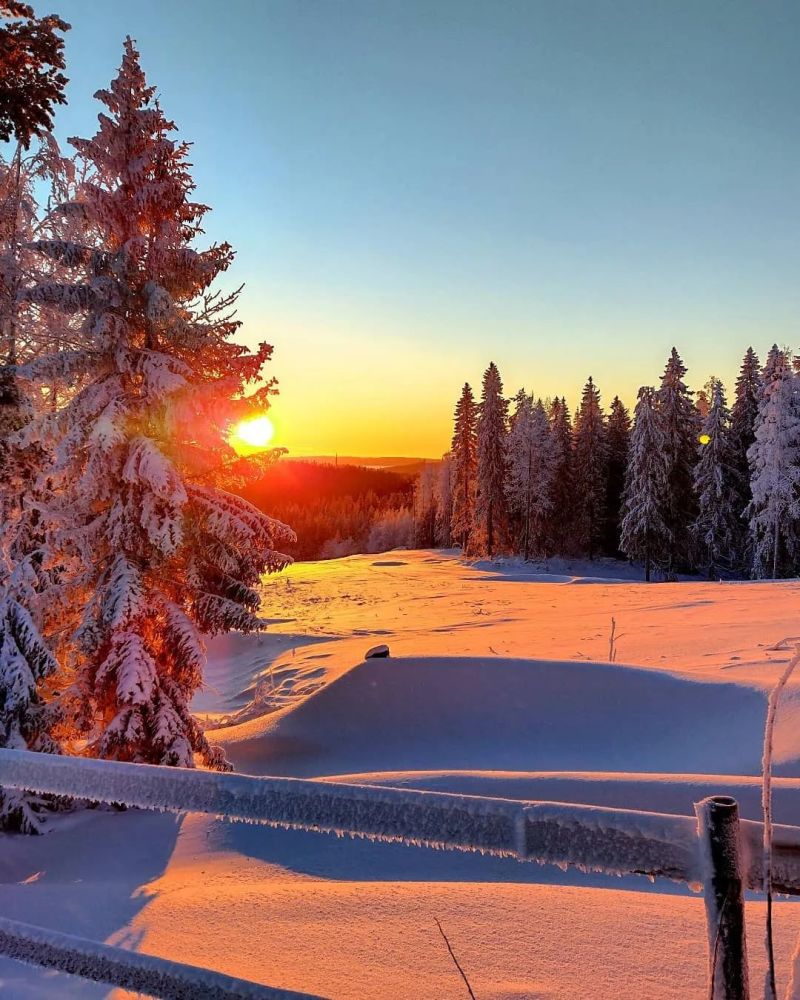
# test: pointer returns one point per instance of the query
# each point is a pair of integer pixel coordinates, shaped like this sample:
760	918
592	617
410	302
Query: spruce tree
716	528
744	414
31	83
679	423
562	494
528	485
644	533
521	473
618	432
774	460
154	554
464	455
27	663
443	489
425	508
591	470
491	512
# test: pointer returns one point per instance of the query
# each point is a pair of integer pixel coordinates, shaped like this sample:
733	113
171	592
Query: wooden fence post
718	830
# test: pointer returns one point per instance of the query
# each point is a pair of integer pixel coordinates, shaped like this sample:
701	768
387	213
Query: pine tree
680	428
644	533
521	473
618	432
774	460
443	489
591	470
464	452
26	721
744	414
716	528
153	553
425	508
491	514
528	484
562	496
31	83
26	328
26	661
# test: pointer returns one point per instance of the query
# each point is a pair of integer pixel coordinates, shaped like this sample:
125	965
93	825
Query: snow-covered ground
499	683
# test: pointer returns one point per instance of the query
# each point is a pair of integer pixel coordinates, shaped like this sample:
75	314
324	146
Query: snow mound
475	713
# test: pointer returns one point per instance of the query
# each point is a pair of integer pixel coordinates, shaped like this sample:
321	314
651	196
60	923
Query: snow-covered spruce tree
154	553
774	460
491	512
31	83
26	329
561	519
464	453
425	508
521	472
26	666
444	503
679	422
618	432
744	414
644	533
591	471
529	475
716	528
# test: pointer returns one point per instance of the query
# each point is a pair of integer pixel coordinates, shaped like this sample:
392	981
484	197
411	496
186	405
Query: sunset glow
252	435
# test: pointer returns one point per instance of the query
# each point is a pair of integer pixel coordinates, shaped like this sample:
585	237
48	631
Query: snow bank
492	713
146	974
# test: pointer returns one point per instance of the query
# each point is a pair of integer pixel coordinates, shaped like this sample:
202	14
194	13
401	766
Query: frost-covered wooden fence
613	841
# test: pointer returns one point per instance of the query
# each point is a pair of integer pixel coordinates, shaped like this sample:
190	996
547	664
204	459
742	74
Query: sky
416	188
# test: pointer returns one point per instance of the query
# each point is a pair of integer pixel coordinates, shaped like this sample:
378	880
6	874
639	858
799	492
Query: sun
252	435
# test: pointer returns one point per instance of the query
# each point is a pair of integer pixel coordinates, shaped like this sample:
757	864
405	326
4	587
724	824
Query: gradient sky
417	188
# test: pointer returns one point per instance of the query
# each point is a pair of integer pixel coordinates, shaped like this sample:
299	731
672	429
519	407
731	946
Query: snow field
529	710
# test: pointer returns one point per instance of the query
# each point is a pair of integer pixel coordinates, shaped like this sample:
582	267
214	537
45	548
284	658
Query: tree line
686	485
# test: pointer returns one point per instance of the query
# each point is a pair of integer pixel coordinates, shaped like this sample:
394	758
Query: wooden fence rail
614	841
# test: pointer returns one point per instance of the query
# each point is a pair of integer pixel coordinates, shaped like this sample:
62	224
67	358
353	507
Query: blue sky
417	188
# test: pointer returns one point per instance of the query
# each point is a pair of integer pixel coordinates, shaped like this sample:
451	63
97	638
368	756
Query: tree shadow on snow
86	877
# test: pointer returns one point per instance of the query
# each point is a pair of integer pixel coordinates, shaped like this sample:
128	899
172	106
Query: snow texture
146	974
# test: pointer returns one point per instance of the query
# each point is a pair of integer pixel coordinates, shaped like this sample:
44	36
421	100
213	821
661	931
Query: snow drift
438	713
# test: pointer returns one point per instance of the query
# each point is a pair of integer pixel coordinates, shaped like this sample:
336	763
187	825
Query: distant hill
403	466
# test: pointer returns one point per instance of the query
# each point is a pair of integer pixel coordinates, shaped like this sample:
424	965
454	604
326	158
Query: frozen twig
784	643
455	960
